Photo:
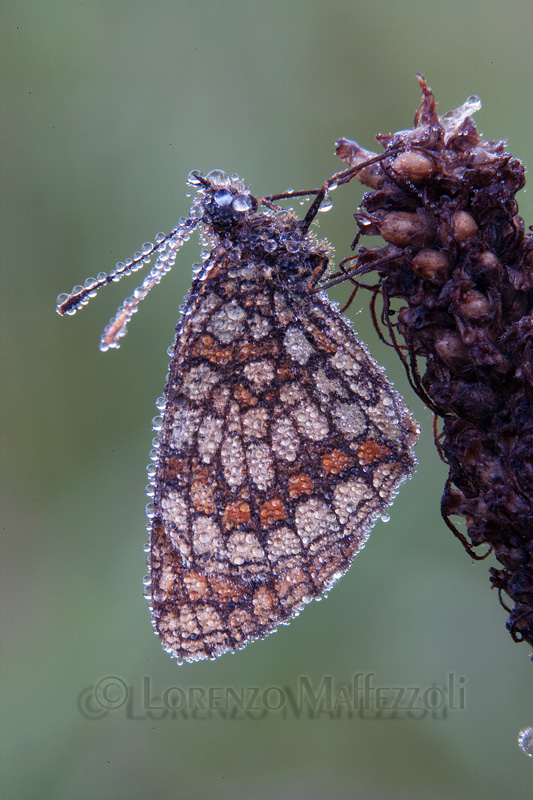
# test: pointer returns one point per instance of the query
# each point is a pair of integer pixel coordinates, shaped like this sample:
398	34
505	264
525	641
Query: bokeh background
106	108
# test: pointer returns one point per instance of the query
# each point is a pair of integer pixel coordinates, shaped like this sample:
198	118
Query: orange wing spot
263	601
172	468
195	584
248	351
371	451
336	462
243	396
285	371
300	484
236	514
223	589
272	511
207	347
201	473
203	492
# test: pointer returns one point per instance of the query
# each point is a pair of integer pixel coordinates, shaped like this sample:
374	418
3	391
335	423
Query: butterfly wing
282	442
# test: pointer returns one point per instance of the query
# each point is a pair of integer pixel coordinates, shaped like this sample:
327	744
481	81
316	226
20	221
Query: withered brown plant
458	260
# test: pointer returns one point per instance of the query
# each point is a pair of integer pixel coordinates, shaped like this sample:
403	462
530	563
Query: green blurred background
106	108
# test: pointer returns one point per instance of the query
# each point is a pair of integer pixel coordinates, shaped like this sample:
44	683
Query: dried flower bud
487	268
474	305
431	265
353	154
451	349
403	228
463	225
414	165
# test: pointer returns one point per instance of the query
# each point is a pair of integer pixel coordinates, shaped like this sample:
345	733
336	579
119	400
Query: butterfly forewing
281	443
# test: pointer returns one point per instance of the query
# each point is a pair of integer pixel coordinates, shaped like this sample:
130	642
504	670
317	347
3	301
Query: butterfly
280	440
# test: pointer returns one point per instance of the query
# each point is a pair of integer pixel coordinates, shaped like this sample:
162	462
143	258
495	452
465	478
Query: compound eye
242	202
222	197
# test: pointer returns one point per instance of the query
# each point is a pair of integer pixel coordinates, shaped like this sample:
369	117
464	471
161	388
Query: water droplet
326	204
525	741
242	202
292	246
223	197
192	178
270	245
218	177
